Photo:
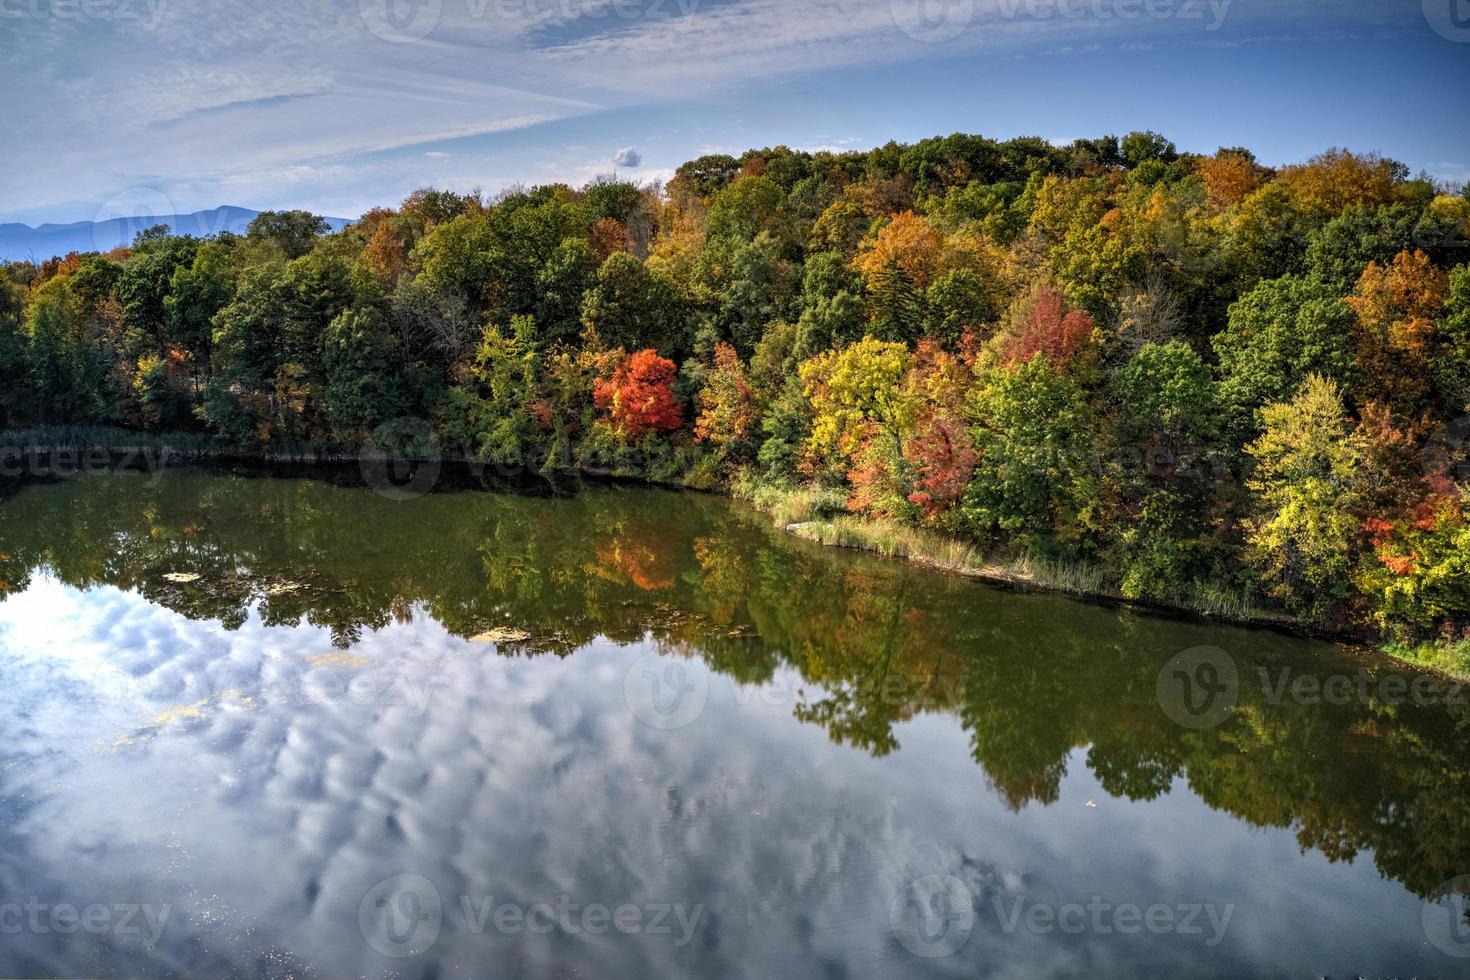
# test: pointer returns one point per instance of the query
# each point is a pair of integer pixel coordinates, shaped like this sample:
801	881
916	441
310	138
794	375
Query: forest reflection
1032	679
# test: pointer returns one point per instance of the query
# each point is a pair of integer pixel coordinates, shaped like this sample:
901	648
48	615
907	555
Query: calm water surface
266	727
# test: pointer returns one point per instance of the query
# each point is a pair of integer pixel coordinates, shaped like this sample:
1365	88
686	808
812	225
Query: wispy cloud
220	96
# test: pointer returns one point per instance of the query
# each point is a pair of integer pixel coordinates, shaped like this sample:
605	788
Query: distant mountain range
18	242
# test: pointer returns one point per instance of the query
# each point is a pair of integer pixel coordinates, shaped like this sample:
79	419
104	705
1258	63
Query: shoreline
919	547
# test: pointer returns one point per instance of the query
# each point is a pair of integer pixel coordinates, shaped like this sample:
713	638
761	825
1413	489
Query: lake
258	726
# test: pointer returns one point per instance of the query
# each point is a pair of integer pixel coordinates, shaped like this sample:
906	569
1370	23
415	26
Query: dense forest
1194	372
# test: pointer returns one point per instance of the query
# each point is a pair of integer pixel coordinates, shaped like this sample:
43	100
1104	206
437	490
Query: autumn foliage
908	241
1396	307
1052	331
608	236
728	412
639	398
1195	375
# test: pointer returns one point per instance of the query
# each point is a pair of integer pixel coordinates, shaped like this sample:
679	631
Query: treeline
1198	372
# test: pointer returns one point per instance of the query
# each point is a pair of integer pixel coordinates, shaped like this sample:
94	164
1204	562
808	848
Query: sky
113	107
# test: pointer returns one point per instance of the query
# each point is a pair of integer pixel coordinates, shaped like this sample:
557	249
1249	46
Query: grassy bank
1444	658
821	515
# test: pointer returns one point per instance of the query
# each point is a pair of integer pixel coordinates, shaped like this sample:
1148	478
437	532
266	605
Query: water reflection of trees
1031	679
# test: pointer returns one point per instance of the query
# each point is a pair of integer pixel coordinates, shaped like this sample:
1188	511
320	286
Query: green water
304	729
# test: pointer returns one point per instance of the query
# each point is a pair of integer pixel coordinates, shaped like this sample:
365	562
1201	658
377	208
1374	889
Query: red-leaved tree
640	395
1051	331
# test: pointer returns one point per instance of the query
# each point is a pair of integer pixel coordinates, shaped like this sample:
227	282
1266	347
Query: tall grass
1445	657
819	514
788	505
894	541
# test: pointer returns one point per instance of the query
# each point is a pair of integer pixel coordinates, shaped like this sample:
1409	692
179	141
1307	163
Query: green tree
247	354
633	308
957	302
1278	333
291	233
1167	432
12	351
747	284
360	361
66	373
143	287
853	392
197	292
493	415
745	208
1035	484
561	287
1452	355
1302	540
897	307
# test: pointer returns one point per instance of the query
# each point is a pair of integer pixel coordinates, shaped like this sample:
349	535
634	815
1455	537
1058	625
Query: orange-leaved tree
728	412
1396	307
639	397
908	241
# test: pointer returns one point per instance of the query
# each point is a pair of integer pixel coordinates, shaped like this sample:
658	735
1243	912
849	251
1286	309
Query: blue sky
336	106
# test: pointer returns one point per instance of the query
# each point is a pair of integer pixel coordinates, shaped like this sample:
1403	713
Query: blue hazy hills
19	242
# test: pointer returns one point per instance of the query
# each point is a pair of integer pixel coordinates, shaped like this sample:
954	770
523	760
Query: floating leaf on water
338	658
501	635
182	578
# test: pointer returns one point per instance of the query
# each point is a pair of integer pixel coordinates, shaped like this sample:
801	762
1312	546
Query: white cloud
222	93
